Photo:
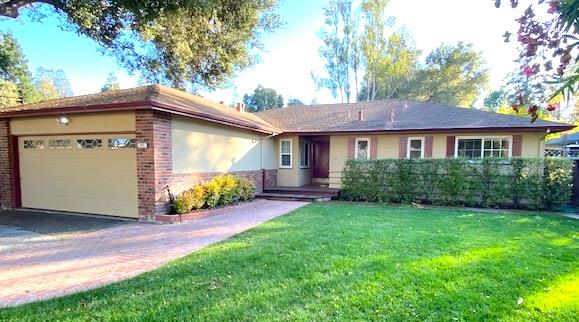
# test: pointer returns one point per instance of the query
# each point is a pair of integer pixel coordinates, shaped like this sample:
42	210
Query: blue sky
291	53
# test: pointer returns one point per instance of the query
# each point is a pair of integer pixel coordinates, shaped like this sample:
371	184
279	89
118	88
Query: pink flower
552	106
554	5
528	71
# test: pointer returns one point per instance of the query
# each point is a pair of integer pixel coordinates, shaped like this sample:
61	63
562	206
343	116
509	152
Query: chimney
240	107
360	115
349	112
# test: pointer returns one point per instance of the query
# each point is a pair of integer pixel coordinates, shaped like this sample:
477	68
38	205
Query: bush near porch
220	191
489	182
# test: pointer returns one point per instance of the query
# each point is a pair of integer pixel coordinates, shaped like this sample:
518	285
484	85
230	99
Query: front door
321	159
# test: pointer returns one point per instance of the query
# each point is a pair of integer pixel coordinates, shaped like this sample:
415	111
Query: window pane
415	154
285	146
122	143
89	143
487	144
59	144
469	148
285	160
305	154
362	149
416	144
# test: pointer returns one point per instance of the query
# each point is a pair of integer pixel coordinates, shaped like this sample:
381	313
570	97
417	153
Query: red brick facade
154	163
7	167
155	166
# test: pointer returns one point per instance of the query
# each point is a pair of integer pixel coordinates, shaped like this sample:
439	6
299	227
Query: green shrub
558	182
246	190
180	205
213	189
197	196
489	182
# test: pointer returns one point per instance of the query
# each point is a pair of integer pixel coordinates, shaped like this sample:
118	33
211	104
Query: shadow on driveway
49	223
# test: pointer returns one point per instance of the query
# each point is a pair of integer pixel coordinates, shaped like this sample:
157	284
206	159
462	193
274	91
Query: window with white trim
362	149
483	147
415	148
285	153
304	154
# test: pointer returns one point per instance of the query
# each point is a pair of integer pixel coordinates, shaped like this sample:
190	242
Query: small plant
213	189
197	197
180	205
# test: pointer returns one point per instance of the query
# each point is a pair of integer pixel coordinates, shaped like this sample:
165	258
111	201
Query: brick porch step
292	196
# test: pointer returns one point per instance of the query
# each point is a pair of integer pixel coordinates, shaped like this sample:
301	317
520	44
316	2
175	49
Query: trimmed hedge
489	182
220	191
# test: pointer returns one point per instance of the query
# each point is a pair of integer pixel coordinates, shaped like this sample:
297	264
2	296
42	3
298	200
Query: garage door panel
100	181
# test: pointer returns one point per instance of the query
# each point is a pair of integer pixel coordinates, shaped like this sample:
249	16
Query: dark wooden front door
321	159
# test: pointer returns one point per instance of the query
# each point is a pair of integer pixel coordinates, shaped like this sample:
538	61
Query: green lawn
343	261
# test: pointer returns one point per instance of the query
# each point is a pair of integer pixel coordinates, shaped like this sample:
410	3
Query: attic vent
360	115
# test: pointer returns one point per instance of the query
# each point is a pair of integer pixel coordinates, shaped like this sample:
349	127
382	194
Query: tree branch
10	8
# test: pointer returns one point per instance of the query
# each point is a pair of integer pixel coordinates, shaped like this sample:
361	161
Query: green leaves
185	44
488	182
262	99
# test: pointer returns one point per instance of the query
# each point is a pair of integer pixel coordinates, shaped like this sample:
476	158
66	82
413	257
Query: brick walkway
51	268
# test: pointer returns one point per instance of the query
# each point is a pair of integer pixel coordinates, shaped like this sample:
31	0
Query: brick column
155	163
7	166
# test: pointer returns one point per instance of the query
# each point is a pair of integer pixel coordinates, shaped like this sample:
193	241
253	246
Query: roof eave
139	105
550	129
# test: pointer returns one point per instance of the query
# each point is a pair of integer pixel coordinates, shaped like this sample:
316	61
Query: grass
342	261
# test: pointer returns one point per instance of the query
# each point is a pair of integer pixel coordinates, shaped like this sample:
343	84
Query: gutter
138	105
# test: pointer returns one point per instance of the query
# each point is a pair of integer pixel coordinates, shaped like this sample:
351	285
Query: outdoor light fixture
63	120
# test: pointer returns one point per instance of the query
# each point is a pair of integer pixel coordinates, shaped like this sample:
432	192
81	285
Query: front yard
343	261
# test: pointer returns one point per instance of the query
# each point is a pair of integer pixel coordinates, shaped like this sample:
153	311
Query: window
33	144
59	144
415	149
89	143
122	143
285	153
498	147
305	154
363	149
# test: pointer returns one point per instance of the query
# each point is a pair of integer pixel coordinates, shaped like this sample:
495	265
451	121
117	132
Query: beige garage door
94	174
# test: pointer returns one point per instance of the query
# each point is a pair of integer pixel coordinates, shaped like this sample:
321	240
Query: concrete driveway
61	261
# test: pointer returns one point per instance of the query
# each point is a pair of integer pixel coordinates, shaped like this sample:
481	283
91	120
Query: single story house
120	153
568	141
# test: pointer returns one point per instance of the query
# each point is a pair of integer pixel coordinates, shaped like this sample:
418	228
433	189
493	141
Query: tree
453	75
494	100
186	44
57	78
548	45
17	83
339	50
374	42
112	84
46	89
262	99
294	102
394	70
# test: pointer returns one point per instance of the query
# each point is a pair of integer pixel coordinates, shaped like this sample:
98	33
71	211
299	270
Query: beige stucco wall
200	146
79	123
295	176
533	146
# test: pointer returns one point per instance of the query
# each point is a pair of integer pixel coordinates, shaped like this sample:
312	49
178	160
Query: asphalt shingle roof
394	115
384	115
149	95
